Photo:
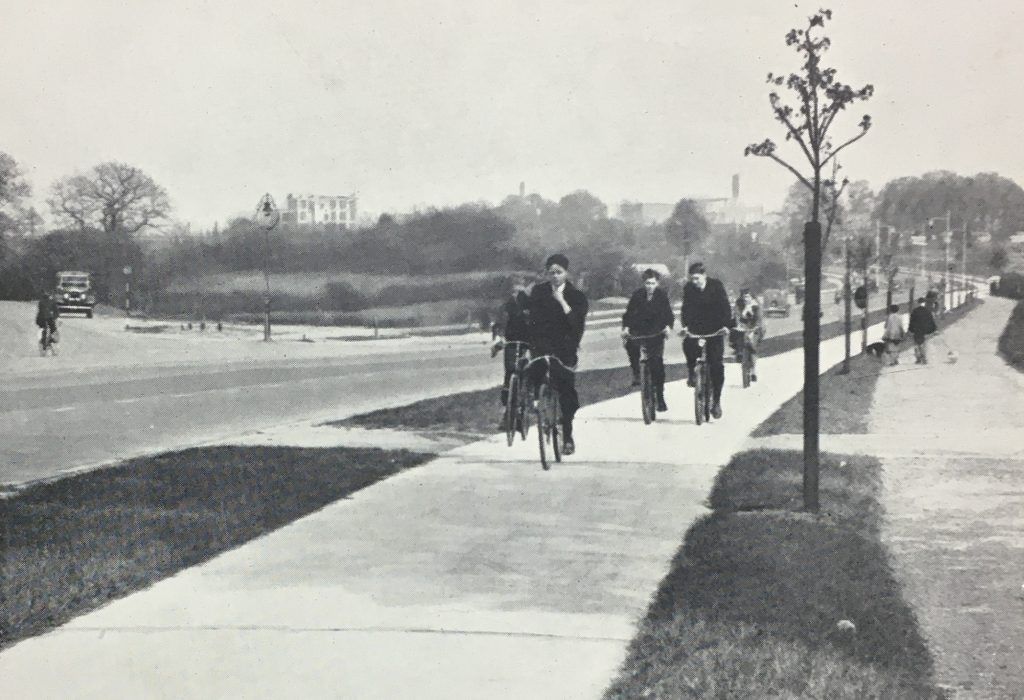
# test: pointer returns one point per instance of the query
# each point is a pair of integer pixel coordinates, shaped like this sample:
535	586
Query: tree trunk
812	337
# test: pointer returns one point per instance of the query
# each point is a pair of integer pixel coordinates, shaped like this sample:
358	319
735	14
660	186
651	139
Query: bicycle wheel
511	408
747	367
523	409
706	381
646	393
543	424
698	394
556	416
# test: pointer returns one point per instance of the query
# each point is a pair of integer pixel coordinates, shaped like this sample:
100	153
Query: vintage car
775	302
75	293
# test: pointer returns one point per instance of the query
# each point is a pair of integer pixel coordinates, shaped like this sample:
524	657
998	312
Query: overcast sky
435	103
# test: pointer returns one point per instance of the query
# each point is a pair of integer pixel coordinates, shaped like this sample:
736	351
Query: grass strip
845	399
477	413
1011	341
75	544
750	605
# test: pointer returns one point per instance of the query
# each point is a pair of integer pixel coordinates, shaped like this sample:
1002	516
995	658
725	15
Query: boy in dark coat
513	330
706	310
921	325
649	313
557	312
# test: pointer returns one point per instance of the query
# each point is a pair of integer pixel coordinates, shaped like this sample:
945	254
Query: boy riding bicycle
705	311
749	329
649	313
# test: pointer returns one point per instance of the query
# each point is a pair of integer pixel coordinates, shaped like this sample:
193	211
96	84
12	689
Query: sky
416	105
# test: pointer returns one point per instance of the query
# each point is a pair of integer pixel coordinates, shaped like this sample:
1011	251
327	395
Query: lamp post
127	290
267	217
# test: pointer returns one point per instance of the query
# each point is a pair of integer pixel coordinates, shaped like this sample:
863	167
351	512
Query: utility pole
847	310
878	253
963	262
945	266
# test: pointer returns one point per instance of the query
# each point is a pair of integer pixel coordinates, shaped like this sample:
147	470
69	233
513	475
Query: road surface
112	394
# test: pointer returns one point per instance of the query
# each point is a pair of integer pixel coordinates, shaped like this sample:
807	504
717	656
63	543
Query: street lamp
267	217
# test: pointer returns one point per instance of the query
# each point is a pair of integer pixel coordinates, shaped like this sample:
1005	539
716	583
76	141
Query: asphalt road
57	418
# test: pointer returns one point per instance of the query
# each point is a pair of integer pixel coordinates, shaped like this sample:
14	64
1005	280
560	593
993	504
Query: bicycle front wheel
543	424
511	409
646	394
698	395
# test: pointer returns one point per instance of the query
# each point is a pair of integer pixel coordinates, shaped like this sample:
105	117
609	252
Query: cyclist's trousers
655	357
716	351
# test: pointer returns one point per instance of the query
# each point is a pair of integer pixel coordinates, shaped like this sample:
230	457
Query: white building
308	209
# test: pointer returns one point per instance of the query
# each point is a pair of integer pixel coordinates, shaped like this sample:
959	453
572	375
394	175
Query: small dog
875	350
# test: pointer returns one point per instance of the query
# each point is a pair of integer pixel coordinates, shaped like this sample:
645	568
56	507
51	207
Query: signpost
127	290
267	217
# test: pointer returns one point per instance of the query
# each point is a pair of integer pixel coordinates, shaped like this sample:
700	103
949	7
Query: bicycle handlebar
724	330
645	337
548	358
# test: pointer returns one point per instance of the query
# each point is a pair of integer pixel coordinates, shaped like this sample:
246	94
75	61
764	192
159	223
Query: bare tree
13	189
819	98
116	197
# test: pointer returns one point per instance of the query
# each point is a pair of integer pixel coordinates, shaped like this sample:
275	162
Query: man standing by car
557	312
648	313
705	311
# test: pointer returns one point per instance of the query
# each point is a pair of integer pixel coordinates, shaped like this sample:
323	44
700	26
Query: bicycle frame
547	410
647	397
515	401
702	390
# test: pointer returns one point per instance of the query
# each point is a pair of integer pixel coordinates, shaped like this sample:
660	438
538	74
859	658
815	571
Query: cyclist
557	312
749	328
648	313
705	310
511	328
47	313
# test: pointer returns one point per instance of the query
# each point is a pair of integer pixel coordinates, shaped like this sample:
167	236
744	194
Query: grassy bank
73	545
750	606
1011	341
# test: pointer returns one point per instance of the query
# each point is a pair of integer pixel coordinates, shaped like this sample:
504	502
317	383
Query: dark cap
557	259
697	268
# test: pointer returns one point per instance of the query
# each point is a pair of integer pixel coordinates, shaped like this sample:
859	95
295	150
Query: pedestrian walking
922	324
893	335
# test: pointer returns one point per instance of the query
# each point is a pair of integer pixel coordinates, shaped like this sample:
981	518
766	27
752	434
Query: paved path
474	576
954	495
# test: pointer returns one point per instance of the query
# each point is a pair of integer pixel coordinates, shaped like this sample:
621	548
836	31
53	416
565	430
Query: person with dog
922	324
557	313
706	310
893	335
648	313
749	329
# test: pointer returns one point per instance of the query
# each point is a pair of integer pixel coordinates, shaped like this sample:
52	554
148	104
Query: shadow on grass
73	545
752	598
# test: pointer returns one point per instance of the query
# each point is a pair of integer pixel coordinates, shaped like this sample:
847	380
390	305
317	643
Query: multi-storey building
309	209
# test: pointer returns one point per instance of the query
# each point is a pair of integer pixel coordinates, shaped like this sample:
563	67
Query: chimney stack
736	186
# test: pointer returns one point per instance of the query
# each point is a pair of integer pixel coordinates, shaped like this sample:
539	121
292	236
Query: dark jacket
921	322
514	318
705	311
644	317
46	311
552	331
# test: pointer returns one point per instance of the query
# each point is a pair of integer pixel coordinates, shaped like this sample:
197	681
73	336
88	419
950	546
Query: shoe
691	382
568	447
662	406
716	410
753	377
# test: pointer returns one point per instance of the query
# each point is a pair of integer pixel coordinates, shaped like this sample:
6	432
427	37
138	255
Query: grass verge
750	605
73	545
845	399
1011	341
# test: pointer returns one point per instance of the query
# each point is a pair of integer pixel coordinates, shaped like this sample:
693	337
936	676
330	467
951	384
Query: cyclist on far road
556	317
648	313
705	310
47	313
513	329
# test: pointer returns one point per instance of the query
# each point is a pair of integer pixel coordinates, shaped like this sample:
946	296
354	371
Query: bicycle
702	390
516	418
547	411
48	342
648	399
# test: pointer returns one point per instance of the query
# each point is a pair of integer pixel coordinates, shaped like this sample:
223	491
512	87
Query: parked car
75	293
775	302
